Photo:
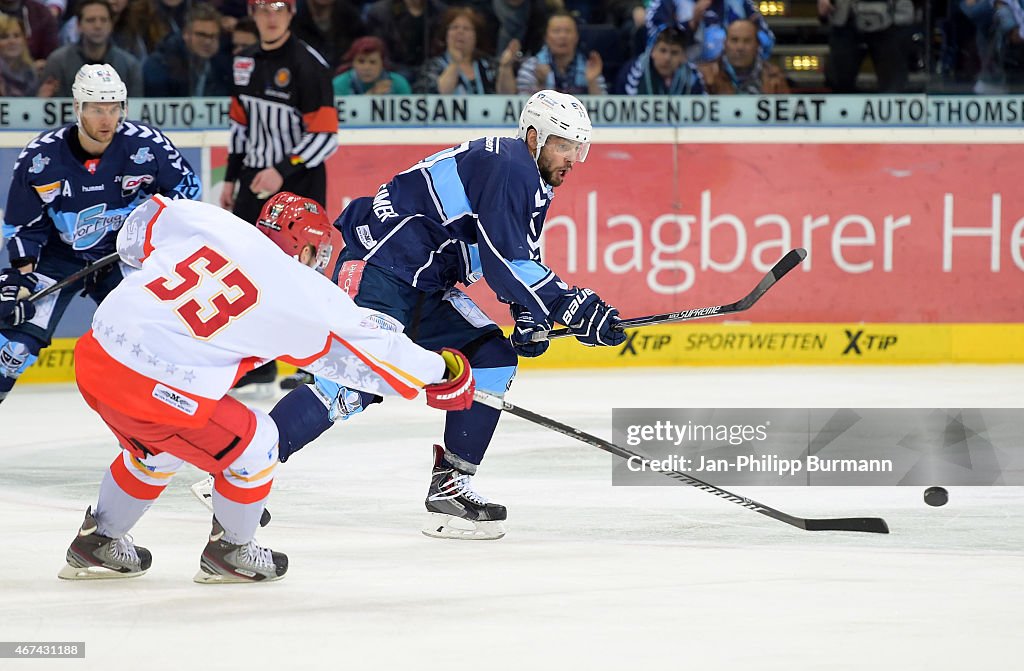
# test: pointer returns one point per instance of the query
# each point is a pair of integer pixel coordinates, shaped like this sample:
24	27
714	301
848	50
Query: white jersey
212	298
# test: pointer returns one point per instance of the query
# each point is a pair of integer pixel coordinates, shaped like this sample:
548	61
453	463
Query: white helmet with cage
98	84
559	114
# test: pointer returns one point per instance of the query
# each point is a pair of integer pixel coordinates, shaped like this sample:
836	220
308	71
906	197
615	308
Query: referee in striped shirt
283	128
283	121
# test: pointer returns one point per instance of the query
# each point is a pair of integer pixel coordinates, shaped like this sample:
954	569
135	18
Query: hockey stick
791	260
74	277
875	525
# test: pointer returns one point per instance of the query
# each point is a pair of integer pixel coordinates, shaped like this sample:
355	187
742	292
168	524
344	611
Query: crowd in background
168	48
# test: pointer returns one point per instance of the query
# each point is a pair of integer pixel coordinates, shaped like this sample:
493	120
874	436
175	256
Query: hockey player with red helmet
205	299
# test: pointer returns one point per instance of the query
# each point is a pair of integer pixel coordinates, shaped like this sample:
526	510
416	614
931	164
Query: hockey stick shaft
865	524
74	277
791	260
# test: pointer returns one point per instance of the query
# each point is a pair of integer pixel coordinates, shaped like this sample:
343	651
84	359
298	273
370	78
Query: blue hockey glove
525	330
13	310
591	320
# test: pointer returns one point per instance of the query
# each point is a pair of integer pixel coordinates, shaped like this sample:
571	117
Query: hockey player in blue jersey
71	191
472	211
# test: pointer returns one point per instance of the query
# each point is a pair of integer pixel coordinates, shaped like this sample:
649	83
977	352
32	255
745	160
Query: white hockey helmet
559	114
99	84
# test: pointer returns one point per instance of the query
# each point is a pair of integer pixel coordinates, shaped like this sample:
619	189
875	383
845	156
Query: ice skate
203	490
224	562
95	557
296	380
257	384
456	510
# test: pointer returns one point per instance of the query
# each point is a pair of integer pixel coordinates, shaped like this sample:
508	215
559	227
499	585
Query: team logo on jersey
142	156
47	192
242	70
91	225
132	183
39	162
365	237
13	358
282	77
175	399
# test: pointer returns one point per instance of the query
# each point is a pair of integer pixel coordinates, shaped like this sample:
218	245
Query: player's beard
550	174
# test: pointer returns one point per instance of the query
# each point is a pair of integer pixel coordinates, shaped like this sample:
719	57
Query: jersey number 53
206	319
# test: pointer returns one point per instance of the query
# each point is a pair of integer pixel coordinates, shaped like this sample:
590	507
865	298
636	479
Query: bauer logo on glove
456	391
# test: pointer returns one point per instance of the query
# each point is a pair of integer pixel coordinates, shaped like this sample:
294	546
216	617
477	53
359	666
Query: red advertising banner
894	233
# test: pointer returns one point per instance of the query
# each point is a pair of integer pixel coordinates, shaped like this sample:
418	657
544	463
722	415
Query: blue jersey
470	211
57	202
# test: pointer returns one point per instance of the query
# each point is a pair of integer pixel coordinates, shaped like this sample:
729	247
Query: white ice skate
203	490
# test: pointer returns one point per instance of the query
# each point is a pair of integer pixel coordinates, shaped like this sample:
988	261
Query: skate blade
204	578
439	525
70	572
203	490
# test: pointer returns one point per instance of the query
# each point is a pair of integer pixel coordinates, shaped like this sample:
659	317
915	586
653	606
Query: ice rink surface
588	577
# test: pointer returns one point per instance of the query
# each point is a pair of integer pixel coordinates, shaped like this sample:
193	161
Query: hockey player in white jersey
206	298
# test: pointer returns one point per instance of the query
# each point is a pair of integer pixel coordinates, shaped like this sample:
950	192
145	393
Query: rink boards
915	239
733	344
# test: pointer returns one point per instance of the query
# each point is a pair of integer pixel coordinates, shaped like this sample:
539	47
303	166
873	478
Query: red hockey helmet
293	222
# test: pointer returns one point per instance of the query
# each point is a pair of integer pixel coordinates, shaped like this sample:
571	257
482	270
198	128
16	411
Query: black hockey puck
936	496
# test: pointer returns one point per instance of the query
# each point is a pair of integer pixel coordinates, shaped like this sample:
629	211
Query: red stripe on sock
240	494
131	484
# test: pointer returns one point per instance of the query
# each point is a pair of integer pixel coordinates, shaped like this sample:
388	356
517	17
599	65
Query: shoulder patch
242	70
39	163
48	192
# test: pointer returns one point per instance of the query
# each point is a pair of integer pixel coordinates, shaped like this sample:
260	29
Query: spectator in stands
365	71
559	65
329	26
630	16
244	34
95	22
135	27
740	69
403	25
169	17
40	26
663	70
190	65
999	44
460	68
521	20
232	12
18	76
704	24
879	25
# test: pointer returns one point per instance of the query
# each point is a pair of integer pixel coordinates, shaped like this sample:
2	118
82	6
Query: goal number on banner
206	319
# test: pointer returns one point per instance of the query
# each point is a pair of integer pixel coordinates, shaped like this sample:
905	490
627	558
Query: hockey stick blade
875	525
871	525
74	277
791	260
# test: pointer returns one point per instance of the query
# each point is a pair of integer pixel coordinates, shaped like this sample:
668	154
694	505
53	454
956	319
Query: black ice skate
93	556
456	510
224	562
296	380
257	383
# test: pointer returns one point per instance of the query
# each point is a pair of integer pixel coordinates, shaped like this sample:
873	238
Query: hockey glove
456	391
525	330
591	320
14	288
